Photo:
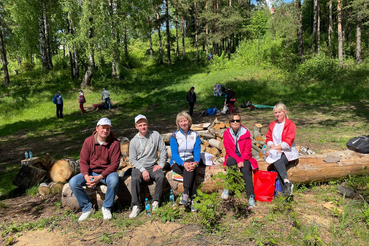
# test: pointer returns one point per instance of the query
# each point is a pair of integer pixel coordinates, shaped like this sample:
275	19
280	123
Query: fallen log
64	169
314	168
217	133
29	176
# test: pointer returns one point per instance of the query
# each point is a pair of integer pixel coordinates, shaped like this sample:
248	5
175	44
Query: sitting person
237	143
185	147
143	154
281	141
99	161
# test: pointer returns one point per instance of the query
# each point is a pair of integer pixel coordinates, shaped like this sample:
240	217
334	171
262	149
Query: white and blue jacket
184	147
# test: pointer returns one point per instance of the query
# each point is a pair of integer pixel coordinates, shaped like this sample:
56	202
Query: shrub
319	67
26	66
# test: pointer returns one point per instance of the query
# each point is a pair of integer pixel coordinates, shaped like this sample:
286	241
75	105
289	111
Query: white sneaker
135	212
106	213
155	205
85	215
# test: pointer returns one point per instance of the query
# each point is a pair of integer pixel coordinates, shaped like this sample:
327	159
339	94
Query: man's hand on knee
156	167
145	176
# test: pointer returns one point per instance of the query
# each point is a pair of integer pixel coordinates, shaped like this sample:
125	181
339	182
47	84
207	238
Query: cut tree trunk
217	144
29	176
64	169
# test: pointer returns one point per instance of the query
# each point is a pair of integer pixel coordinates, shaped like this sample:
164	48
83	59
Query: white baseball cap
274	156
104	121
140	117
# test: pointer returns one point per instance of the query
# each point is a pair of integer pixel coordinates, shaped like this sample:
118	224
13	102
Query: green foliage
33	191
209	211
7	177
321	68
258	24
106	238
167	213
26	66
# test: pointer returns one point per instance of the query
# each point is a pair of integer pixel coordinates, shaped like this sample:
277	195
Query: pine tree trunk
125	43
343	20
196	28
314	24
183	35
168	31
42	44
300	33
115	35
207	32
4	60
86	81
177	41
318	25
47	40
330	27
19	61
339	27
159	35
358	38
150	43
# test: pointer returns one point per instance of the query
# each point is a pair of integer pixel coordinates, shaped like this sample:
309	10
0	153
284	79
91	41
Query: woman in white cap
281	141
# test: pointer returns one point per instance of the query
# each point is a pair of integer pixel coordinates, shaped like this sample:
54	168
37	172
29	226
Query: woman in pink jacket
281	141
237	143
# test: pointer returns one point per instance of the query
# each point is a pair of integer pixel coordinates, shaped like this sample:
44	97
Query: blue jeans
107	103
84	202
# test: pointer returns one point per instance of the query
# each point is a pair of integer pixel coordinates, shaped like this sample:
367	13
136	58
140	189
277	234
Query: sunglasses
235	120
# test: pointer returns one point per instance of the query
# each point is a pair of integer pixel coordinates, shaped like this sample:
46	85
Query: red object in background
264	185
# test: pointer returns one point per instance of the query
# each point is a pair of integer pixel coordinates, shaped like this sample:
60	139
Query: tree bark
339	25
4	60
358	38
159	35
125	42
207	32
150	44
330	27
177	41
168	31
86	81
47	39
115	35
300	33
318	26
314	24
183	35
196	28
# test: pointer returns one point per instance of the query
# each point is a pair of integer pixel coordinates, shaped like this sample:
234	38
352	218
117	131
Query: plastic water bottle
264	152
30	156
26	155
147	207
171	198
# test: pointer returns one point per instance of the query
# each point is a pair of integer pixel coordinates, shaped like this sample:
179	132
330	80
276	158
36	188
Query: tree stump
29	176
63	170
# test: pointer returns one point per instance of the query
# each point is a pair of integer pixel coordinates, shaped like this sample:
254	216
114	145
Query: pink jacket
244	146
288	135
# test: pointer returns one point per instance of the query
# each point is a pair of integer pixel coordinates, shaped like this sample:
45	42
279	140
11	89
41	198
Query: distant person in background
81	100
191	99
106	96
230	96
58	100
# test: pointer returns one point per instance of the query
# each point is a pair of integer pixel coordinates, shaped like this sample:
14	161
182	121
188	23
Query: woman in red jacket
237	143
281	141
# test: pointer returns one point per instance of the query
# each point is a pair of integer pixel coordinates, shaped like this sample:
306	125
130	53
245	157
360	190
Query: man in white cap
99	161
143	155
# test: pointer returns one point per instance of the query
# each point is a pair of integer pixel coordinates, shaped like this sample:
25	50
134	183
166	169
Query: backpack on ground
359	144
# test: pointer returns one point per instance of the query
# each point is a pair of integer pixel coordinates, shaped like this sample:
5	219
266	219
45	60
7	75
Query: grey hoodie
143	151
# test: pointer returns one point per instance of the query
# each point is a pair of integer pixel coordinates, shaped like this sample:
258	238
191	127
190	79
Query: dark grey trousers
189	179
246	172
157	176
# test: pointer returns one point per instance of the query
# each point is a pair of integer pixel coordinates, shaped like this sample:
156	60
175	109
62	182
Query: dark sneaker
288	188
184	199
193	209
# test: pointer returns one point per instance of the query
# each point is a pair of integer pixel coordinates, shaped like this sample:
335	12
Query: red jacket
244	146
103	159
288	134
